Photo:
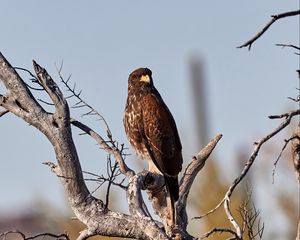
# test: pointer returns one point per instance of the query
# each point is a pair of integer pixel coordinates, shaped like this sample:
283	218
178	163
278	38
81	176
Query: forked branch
103	144
274	18
226	200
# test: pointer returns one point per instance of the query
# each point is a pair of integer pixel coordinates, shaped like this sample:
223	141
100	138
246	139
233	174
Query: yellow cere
145	78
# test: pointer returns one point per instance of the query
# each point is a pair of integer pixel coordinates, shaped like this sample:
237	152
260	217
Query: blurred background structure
210	87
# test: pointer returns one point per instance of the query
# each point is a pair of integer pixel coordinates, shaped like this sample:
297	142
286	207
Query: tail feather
173	187
173	191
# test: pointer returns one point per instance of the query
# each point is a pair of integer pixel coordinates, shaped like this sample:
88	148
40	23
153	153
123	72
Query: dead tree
56	126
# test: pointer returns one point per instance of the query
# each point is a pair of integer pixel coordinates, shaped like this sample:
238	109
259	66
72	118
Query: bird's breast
133	123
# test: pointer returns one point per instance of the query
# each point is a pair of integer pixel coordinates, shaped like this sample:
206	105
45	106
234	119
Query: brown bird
152	132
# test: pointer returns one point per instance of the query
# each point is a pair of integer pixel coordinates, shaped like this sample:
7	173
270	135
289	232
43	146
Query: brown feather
160	135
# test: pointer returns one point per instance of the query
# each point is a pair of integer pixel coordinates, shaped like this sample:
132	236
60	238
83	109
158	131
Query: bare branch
297	99
274	18
111	178
101	179
3	112
102	143
190	174
196	165
34	79
220	231
40	235
136	208
30	73
45	102
257	148
53	91
231	218
248	165
286	142
211	211
287	45
251	220
18	98
92	111
284	115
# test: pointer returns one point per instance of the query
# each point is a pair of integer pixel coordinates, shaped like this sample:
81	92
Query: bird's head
140	78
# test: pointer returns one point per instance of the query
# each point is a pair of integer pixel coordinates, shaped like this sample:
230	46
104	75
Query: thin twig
287	45
295	99
109	149
111	178
220	231
286	142
251	219
80	100
34	79
45	102
102	179
284	115
274	18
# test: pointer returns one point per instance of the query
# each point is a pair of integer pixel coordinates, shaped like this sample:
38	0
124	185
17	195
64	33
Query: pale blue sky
101	42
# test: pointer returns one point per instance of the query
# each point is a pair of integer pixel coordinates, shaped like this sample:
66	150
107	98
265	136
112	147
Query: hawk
152	132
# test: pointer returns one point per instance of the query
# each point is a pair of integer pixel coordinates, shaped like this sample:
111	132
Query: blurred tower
199	97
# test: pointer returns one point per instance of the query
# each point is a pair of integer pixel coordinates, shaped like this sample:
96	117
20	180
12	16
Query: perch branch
274	18
136	208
